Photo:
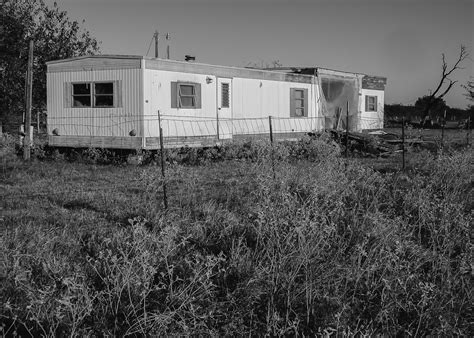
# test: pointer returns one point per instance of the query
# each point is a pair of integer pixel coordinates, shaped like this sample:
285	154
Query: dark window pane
187	102
104	88
298	94
81	88
299	103
186	89
81	101
104	101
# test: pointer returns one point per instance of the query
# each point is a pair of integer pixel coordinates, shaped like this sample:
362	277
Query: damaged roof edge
98	56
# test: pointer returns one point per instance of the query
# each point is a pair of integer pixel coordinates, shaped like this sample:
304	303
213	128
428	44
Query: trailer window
94	94
104	94
185	95
81	95
370	103
298	102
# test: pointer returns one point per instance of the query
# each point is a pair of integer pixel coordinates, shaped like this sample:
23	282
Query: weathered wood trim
153	143
115	142
89	64
374	82
223	71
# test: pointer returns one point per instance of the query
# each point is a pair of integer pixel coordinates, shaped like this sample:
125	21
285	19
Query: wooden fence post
403	143
271	129
469	128
162	155
272	156
29	94
347	129
442	129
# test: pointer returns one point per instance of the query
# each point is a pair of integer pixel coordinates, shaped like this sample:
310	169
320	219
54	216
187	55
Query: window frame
371	107
303	103
181	96
177	95
93	95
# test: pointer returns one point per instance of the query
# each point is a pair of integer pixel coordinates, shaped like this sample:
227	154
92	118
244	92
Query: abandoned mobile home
114	101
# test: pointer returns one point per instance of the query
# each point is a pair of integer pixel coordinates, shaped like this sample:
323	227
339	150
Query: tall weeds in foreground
320	247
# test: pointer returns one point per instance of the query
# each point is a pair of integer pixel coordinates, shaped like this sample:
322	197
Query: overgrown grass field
257	240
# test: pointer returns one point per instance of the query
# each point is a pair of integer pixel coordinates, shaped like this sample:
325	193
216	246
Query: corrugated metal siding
95	121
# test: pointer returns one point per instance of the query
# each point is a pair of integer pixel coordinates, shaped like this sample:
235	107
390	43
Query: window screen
225	95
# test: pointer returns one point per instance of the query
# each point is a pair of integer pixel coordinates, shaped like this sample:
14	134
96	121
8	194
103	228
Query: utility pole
29	95
168	38
156	43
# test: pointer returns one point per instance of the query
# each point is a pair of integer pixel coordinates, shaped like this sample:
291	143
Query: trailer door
224	108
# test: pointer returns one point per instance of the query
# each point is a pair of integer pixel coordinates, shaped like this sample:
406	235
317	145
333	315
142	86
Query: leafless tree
470	89
445	81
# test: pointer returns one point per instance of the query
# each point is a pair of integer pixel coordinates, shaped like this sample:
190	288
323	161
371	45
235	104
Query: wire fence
187	130
182	130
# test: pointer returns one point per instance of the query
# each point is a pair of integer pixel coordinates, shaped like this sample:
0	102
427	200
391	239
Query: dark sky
400	39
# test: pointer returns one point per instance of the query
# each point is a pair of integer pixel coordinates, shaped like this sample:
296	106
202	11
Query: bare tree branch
445	72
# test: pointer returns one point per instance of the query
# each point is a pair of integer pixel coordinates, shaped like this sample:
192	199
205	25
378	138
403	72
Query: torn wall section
339	91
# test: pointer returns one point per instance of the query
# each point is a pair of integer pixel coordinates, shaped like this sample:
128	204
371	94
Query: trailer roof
98	62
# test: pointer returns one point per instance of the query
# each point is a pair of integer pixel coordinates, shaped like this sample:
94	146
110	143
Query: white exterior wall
178	121
95	121
255	100
372	120
252	102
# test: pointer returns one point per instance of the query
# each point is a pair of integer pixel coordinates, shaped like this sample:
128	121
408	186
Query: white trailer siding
90	126
95	121
256	100
178	122
254	96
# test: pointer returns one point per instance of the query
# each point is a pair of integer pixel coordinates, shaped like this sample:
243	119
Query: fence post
347	128
442	130
29	94
162	155
271	144
403	142
468	134
217	121
271	129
